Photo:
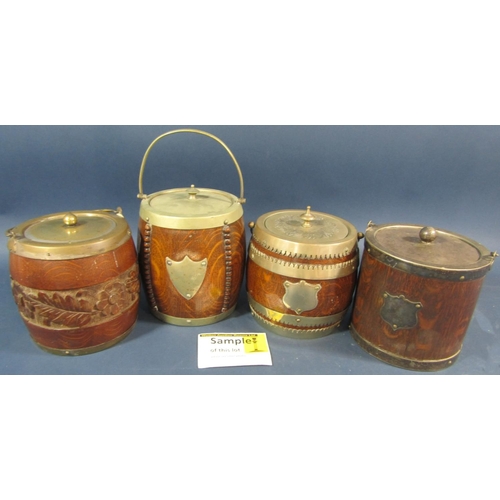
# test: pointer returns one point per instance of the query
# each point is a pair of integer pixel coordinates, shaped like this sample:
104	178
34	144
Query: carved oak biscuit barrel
75	280
191	249
301	272
416	294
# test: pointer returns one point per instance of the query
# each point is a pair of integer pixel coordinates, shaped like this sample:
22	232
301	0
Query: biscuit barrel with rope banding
301	272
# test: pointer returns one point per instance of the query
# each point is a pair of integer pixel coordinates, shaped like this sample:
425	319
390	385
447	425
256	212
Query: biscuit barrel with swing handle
191	248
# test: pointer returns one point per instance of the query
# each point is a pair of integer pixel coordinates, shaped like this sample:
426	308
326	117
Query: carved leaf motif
66	318
61	310
68	303
77	308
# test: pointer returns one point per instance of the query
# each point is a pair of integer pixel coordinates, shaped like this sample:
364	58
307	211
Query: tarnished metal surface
428	252
399	312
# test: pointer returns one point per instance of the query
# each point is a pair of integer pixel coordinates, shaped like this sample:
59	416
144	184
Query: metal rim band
173	320
303	271
23	246
427	272
400	362
86	350
290	246
290	325
460	273
189	223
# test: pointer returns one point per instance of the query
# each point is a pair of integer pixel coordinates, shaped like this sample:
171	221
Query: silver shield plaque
301	296
187	276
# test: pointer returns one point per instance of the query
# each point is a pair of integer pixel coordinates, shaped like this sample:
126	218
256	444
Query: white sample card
233	349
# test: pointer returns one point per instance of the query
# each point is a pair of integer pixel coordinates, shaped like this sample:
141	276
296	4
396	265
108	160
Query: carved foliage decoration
81	307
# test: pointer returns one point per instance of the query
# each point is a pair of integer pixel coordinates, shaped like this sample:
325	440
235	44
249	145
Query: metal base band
173	320
308	328
400	362
85	350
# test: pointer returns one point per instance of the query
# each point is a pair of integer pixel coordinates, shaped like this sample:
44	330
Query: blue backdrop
444	176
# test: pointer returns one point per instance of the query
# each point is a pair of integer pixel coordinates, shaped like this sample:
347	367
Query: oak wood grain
267	287
447	308
223	247
72	273
77	304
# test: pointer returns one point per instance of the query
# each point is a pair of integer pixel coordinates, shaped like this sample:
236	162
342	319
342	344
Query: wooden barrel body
192	277
412	315
191	248
302	293
80	305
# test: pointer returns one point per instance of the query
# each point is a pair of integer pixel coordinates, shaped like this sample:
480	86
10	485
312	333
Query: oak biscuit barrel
301	272
75	280
416	294
191	249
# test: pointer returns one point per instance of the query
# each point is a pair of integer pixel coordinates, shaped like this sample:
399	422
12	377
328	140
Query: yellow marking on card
258	343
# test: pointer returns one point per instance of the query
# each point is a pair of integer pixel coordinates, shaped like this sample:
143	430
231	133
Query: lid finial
427	234
307	217
192	192
70	219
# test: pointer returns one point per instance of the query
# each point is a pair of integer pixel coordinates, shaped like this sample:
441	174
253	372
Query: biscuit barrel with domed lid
75	279
417	291
301	272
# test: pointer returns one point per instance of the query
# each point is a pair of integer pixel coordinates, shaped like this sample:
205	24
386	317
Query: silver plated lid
191	208
427	251
69	235
305	234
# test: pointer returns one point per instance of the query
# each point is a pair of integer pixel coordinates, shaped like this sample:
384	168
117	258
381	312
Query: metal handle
141	194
